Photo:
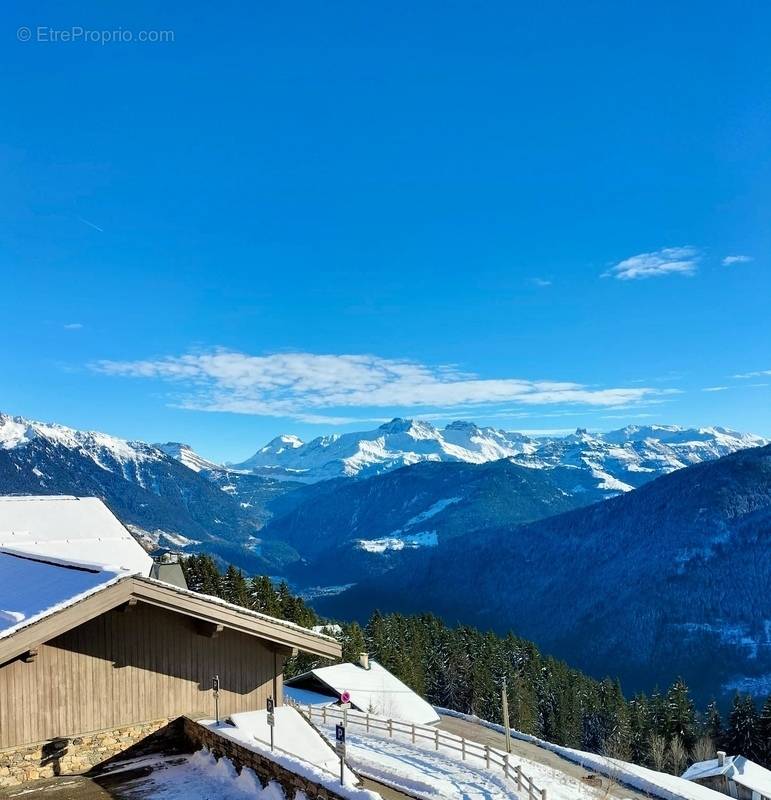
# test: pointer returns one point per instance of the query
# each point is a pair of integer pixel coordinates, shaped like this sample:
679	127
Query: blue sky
312	217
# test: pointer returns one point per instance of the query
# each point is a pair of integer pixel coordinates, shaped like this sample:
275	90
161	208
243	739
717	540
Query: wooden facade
134	663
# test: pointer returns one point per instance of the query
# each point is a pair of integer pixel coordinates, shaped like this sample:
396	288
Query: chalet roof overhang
208	611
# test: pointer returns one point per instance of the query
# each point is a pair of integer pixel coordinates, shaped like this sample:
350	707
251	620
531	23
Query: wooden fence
492	757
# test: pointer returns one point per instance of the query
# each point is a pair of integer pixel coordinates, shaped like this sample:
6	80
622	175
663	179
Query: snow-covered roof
31	589
374	690
75	529
736	768
307	697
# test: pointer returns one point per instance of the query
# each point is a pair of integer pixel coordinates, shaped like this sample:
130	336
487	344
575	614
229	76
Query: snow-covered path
421	772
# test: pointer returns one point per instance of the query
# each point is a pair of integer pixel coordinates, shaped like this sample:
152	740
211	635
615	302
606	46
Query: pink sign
345	697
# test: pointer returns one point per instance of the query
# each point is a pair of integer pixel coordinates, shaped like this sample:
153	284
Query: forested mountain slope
374	524
674	578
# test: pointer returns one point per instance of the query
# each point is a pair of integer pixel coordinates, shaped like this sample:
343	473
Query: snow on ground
197	777
295	763
409	541
421	772
293	735
657	784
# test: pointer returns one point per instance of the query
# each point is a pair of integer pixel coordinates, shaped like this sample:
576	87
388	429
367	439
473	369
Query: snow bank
656	784
293	763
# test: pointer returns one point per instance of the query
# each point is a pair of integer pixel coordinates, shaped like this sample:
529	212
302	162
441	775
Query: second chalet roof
375	690
41	599
736	768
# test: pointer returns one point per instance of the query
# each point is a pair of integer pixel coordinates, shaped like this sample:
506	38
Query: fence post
463	749
436	737
413	733
543	794
518	771
487	756
505	765
390	728
324	714
368	722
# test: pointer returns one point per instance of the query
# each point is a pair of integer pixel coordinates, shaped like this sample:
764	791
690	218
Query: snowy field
420	770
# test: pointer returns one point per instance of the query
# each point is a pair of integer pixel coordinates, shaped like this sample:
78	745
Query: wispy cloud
542	282
670	260
714	388
760	373
316	388
72	326
91	224
728	260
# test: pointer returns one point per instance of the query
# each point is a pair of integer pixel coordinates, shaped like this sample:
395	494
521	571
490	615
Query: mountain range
612	462
639	552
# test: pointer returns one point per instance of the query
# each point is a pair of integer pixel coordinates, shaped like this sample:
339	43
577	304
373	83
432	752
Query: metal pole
215	682
505	704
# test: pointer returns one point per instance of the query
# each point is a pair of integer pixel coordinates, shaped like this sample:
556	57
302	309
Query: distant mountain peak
185	454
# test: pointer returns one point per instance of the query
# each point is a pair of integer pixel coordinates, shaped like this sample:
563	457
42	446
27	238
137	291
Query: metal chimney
721	758
364	660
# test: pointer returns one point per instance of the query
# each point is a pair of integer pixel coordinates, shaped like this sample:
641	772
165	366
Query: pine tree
764	734
263	596
681	716
742	737
713	724
234	587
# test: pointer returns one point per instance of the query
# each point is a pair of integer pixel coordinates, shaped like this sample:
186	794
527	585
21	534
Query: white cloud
542	282
670	260
307	386
73	326
714	388
728	260
761	373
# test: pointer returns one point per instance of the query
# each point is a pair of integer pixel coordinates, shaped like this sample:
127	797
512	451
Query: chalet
735	776
370	687
96	654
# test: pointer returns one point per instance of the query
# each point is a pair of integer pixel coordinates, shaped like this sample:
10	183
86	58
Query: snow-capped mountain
398	443
163	502
625	459
614	462
186	455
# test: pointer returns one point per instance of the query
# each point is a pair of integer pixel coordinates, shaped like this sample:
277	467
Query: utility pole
505	706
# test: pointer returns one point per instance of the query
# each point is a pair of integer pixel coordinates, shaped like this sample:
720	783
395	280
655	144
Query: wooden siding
131	666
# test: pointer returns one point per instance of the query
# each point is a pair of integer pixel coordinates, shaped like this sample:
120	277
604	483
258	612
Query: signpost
340	748
345	704
215	685
271	706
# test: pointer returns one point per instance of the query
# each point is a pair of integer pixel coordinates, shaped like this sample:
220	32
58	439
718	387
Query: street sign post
215	685
340	747
271	707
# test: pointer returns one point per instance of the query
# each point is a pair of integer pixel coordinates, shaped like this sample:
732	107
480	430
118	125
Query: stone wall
266	769
79	754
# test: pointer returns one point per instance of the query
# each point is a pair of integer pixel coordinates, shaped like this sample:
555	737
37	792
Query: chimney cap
364	660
